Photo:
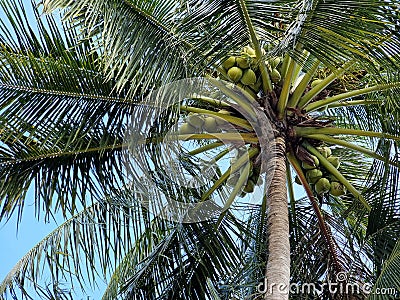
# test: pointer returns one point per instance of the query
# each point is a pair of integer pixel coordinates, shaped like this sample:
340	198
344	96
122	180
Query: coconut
249	187
250	51
308	166
249	77
235	74
313	175
242	62
210	124
275	76
334	160
316	82
196	120
322	186
186	128
229	62
274	62
337	189
325	151
269	47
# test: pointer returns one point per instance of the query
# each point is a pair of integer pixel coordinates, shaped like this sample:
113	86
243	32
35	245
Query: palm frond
388	281
137	39
219	27
360	31
82	250
177	263
60	121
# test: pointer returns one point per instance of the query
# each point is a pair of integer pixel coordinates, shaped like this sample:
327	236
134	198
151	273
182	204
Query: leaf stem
299	90
321	221
306	131
354	103
379	87
292	198
233	120
209	100
237	94
267	84
206	148
331	140
233	168
323	84
228	136
238	187
283	98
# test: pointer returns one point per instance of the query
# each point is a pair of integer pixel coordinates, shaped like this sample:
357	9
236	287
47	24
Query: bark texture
278	265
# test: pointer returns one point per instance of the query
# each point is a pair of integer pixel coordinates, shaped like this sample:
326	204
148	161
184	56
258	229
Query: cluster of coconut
253	179
243	70
319	178
198	123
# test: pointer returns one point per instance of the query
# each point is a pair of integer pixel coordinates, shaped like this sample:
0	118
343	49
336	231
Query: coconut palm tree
169	135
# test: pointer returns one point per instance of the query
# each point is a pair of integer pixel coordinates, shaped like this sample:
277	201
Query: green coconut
315	82
322	186
249	187
337	189
308	166
229	62
210	124
250	51
334	160
242	62
249	77
325	151
313	175
275	76
235	74
274	62
196	120
186	128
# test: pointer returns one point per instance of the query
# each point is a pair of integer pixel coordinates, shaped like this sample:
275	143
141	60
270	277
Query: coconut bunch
243	70
319	178
253	179
198	123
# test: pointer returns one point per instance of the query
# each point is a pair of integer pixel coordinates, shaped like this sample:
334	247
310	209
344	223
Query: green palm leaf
142	33
80	250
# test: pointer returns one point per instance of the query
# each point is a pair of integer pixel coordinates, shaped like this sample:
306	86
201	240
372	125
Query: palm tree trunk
278	265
